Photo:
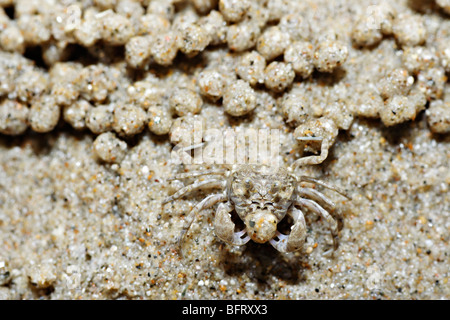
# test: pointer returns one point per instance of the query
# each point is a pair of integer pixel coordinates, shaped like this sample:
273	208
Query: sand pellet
204	6
115	28
272	43
13	117
42	275
340	114
193	39
438	116
5	273
165	47
409	30
211	84
184	101
159	120
34	29
375	22
109	148
295	108
239	98
251	67
400	108
278	76
129	120
242	36
277	9
132	10
162	7
44	114
11	39
75	114
300	55
152	24
63	79
296	26
432	82
89	31
137	51
329	54
145	93
444	4
31	84
397	82
182	131
95	82
100	118
233	10
258	14
444	53
216	27
419	58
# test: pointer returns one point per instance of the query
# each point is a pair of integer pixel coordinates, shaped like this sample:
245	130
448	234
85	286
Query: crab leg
206	203
316	208
295	240
310	160
325	185
211	183
194	174
318	197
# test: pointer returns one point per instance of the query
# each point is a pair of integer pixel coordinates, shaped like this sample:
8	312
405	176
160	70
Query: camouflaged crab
261	196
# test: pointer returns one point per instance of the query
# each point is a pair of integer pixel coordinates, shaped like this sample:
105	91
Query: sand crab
261	196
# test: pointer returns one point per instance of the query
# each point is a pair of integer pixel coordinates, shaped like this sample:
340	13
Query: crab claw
240	238
224	227
292	242
281	243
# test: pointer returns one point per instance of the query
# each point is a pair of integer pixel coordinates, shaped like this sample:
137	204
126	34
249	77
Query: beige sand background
74	227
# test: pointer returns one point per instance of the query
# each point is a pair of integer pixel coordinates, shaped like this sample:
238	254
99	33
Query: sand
74	226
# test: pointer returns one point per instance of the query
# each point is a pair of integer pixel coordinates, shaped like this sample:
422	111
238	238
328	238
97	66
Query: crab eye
275	187
243	188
